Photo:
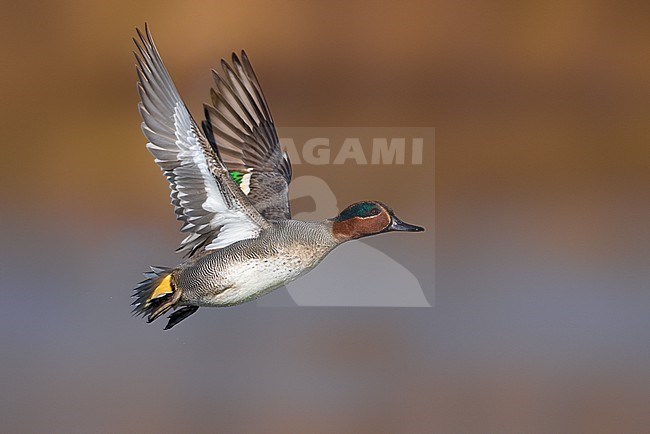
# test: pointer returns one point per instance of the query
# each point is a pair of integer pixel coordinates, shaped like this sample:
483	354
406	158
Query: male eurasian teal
229	185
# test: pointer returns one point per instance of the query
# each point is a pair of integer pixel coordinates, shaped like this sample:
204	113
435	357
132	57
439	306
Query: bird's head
366	218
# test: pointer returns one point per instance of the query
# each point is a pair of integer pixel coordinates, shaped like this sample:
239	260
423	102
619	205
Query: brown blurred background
542	304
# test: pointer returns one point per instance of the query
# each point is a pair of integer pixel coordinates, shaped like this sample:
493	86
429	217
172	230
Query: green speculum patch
237	177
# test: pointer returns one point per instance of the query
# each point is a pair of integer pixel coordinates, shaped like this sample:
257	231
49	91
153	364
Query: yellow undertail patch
164	288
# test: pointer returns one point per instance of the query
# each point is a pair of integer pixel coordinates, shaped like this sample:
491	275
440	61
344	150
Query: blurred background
542	304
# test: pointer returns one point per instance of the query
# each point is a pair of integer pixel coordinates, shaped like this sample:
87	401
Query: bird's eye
373	212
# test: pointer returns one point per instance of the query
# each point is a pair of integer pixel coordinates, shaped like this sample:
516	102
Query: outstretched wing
213	209
239	125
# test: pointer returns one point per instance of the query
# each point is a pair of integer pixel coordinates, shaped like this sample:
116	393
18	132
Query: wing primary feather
232	93
253	77
222	99
251	84
236	82
213	115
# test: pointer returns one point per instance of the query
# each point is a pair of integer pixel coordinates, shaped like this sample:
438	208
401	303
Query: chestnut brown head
366	218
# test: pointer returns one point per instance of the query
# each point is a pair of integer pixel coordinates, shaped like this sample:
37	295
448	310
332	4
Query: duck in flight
229	183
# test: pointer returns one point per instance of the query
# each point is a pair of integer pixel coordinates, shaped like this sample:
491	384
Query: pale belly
253	278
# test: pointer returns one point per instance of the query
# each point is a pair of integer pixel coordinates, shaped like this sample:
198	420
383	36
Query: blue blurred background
542	304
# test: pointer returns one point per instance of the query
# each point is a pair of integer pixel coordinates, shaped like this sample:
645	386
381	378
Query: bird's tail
156	294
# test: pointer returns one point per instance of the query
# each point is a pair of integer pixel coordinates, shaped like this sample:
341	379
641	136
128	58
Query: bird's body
229	185
251	268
